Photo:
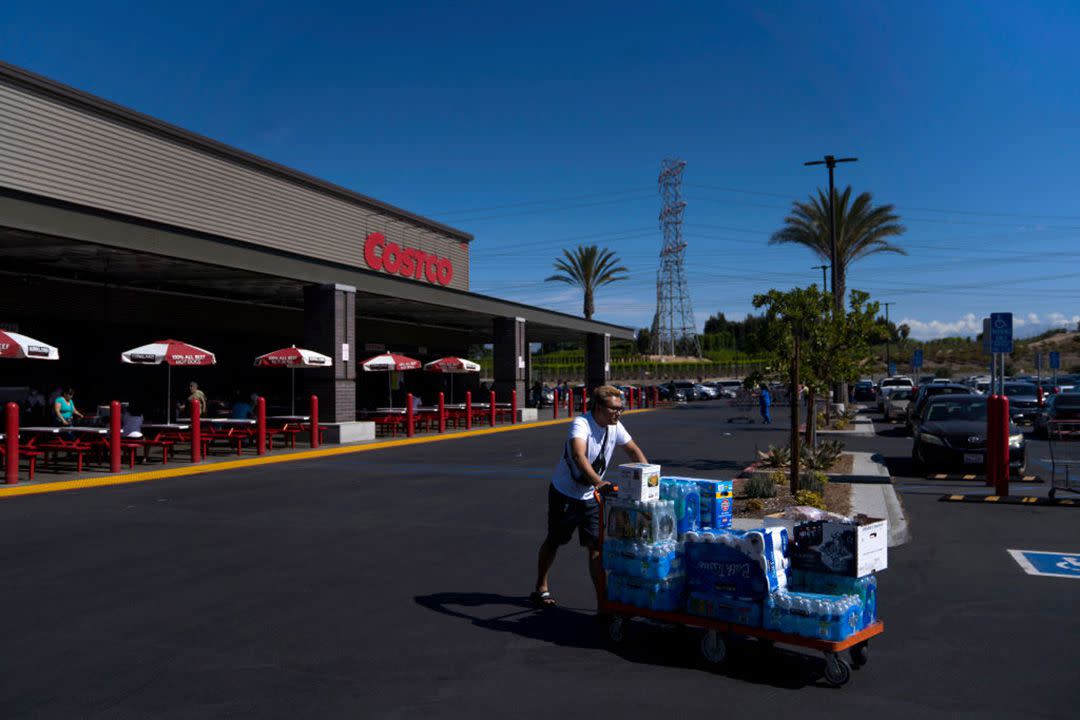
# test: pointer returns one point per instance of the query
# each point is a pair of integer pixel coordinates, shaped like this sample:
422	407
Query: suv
864	390
889	385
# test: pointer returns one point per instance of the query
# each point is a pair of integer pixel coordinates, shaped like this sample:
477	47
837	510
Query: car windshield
901	395
943	411
895	383
1019	389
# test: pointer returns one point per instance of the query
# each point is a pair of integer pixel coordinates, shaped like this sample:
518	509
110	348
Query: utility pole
824	282
830	161
888	338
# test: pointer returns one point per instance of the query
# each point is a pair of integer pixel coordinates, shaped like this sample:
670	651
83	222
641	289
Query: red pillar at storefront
11	429
491	410
196	431
555	404
314	412
442	412
409	427
260	425
513	407
468	409
115	428
570	403
584	400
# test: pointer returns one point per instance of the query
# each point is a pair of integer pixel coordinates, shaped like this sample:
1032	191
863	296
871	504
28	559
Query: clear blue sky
537	127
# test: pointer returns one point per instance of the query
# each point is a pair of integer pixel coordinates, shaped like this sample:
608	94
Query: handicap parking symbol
1048	563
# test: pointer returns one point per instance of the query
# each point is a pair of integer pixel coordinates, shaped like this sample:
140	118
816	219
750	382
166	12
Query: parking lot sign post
997	332
916	361
1055	363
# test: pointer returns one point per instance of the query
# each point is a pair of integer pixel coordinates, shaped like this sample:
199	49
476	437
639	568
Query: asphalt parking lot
393	583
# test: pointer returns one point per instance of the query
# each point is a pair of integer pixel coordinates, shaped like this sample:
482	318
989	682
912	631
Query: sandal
542	599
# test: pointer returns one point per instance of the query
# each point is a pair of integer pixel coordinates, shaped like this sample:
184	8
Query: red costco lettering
407	262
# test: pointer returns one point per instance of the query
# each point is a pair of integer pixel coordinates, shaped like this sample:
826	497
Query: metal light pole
888	337
830	162
824	282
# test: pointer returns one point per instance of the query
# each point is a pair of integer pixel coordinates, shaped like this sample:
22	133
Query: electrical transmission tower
674	328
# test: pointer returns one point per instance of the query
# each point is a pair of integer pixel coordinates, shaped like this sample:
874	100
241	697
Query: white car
897	404
890	385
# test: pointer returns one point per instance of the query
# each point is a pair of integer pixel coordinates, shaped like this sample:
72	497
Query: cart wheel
616	628
713	648
837	672
859	654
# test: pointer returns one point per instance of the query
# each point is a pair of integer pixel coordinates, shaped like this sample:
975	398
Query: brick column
597	359
510	356
330	328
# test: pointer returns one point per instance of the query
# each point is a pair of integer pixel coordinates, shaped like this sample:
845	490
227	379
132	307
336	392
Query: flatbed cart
1064	440
717	632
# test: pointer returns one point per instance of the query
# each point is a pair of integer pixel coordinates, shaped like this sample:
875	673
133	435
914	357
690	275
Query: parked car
981	384
1063	406
722	391
897	404
952	434
889	385
925	392
1023	401
669	391
687	386
704	392
864	391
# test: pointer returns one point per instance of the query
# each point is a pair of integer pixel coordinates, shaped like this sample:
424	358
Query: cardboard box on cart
639	481
855	550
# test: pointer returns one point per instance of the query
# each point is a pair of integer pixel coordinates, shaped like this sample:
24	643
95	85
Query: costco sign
407	262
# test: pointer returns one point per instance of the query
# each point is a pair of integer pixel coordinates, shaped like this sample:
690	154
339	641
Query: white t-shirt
586	427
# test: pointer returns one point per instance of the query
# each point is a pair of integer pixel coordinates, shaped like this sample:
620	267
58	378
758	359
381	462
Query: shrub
828	453
841	424
822	418
775	457
755	505
814	481
762	486
811	498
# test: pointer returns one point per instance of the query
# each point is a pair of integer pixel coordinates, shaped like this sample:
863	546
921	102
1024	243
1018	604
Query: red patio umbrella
388	363
452	366
292	358
170	352
16	346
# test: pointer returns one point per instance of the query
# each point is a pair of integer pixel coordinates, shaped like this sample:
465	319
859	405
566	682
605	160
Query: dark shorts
566	514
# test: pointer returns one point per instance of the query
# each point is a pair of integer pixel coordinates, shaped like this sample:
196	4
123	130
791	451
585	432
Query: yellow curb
109	480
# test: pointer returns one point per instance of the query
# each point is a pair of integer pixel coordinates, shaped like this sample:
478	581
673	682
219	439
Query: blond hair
603	392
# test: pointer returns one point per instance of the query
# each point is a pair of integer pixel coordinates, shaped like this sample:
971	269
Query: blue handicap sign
1055	360
1052	564
917	360
1001	332
892	369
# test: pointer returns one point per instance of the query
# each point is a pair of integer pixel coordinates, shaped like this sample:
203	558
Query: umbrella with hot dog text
292	358
453	366
170	352
388	363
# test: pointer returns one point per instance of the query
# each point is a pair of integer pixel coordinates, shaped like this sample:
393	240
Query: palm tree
861	230
588	267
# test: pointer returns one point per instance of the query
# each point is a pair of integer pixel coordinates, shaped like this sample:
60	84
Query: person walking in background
194	393
765	404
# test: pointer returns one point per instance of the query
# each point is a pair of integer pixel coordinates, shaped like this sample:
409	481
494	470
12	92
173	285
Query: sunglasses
614	410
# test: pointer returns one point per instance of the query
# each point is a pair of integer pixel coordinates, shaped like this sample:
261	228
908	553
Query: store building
118	229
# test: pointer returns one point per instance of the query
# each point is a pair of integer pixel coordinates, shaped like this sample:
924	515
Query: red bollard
630	398
442	413
584	400
655	396
260	425
196	432
491	410
11	429
115	429
468	409
513	407
409	427
570	403
997	444
555	404
1039	396
314	412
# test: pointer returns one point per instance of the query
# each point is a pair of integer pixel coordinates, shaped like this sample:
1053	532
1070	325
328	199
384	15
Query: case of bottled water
640	560
864	588
647	522
826	617
714	500
687	503
668	595
723	607
747	564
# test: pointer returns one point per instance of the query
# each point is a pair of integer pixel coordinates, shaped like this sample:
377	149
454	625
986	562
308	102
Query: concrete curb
866	468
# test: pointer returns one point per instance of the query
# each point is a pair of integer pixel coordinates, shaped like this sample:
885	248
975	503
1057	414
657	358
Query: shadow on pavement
646	642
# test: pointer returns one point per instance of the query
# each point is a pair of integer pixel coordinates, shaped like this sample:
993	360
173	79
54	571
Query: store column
597	359
510	352
330	328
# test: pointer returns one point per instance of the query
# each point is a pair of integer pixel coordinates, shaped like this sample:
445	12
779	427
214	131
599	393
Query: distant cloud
970	325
